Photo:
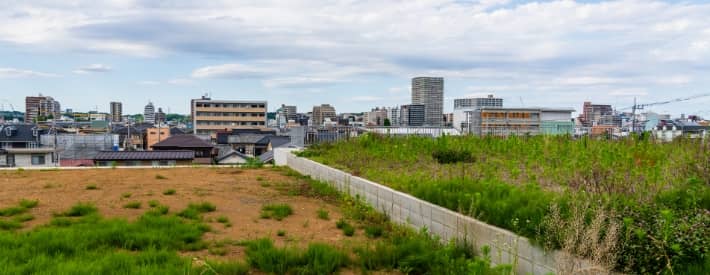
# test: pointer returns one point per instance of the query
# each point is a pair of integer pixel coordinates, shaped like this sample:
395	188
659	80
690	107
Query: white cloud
233	70
366	98
93	68
20	73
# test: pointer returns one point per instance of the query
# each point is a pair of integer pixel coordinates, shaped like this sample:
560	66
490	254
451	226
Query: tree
387	122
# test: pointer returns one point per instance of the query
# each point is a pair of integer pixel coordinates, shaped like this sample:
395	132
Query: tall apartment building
149	113
116	111
210	116
393	114
412	115
285	114
321	113
464	105
592	113
41	108
429	91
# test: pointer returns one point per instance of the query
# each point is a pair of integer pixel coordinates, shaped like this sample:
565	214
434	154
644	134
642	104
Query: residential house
20	146
144	158
203	150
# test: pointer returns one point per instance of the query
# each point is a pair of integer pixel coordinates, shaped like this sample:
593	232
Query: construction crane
642	106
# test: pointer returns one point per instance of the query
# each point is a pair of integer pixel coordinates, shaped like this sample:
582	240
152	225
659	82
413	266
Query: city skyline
351	55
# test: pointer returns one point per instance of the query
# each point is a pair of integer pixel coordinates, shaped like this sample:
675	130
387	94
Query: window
133	163
38	160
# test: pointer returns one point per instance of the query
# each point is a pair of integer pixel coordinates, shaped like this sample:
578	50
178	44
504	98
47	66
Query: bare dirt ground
238	194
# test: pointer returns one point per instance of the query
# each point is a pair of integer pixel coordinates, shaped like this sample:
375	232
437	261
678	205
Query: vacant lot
238	195
205	221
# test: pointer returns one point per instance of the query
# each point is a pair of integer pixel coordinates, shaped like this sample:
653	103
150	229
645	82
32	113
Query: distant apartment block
149	113
464	105
286	114
393	114
429	91
39	108
323	113
519	121
210	116
592	115
116	111
375	117
412	115
160	116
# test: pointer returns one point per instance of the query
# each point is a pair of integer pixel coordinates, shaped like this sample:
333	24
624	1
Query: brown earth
238	194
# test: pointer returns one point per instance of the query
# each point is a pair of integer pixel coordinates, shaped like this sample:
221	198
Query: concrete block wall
506	247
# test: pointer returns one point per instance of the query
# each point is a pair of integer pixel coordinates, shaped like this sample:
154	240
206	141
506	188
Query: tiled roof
184	141
19	133
145	155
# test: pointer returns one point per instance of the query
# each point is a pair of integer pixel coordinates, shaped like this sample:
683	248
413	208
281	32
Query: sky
354	54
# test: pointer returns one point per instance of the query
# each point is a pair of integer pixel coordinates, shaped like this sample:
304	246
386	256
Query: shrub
340	224
153	203
276	211
10	225
169	192
132	205
281	233
349	230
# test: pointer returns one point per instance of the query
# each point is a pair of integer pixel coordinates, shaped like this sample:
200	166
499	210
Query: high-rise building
116	111
429	91
463	106
210	116
149	113
412	115
285	114
393	114
323	112
39	108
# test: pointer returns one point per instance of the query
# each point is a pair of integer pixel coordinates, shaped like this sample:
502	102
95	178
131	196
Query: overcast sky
354	54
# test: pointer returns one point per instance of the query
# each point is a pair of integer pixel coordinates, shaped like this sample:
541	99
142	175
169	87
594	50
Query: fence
402	208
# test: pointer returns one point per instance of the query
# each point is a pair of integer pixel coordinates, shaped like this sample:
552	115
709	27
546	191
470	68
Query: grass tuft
323	214
169	192
276	211
79	210
160	177
92	187
132	205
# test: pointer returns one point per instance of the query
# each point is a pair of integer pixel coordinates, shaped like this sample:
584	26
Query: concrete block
438	214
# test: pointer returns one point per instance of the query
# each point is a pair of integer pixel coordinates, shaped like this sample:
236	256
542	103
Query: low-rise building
203	150
144	158
20	146
518	121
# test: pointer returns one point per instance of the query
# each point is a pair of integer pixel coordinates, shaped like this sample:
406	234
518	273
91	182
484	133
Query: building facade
393	114
116	111
323	113
519	121
210	116
40	108
429	91
593	113
376	117
149	113
285	115
412	115
464	105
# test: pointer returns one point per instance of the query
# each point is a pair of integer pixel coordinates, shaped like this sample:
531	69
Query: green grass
195	210
323	214
276	211
515	182
92	187
374	231
10	225
153	203
316	259
23	217
222	219
12	211
133	205
126	195
281	233
79	210
160	177
169	192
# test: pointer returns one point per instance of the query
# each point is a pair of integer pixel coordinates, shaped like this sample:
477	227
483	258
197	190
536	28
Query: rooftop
183	141
146	155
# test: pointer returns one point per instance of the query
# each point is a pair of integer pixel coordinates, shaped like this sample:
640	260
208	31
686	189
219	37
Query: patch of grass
169	192
133	205
79	210
12	211
126	195
29	203
92	187
317	259
374	231
265	184
346	227
160	177
276	211
153	203
219	251
49	186
159	210
323	214
23	217
195	210
341	223
259	178
281	233
222	219
10	225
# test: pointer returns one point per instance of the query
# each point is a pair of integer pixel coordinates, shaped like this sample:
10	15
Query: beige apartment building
210	116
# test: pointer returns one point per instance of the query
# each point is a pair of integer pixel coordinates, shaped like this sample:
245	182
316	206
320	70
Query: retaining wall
506	247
